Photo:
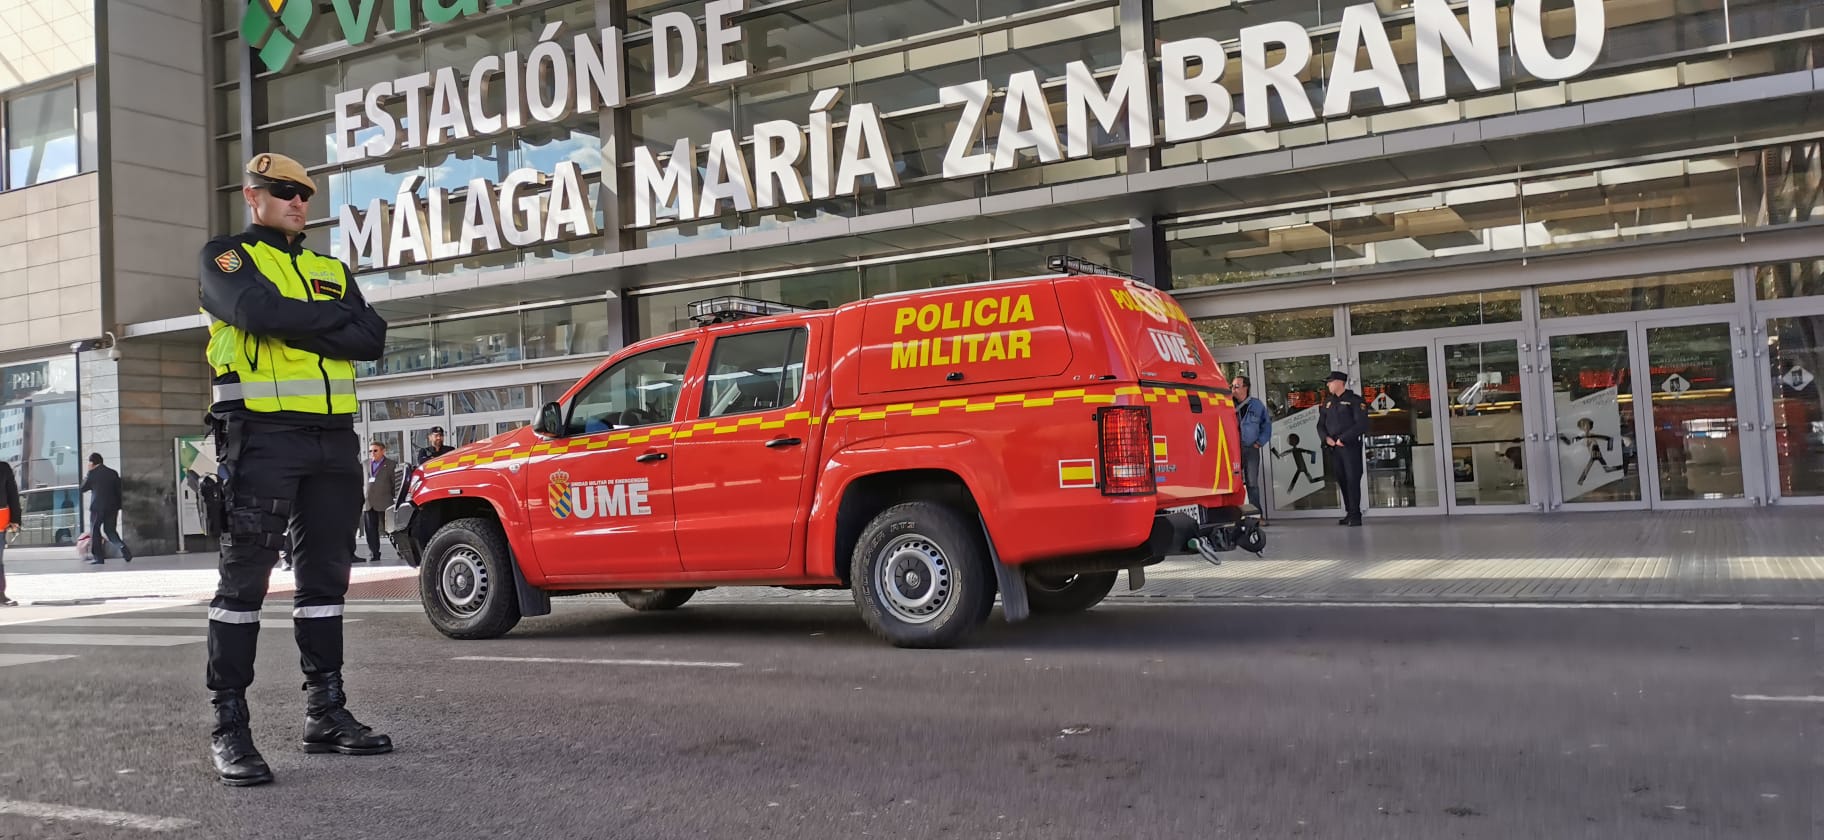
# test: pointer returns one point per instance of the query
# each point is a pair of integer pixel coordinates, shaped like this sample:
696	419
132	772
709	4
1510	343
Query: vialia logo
274	28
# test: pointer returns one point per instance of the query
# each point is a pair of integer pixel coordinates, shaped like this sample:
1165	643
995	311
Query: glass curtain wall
1713	193
38	437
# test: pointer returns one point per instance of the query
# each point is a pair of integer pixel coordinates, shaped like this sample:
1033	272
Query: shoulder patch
229	260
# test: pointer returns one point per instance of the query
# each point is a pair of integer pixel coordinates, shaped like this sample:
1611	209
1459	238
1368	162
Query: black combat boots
237	763
328	727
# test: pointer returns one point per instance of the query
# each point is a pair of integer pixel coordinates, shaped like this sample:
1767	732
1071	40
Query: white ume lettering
1174	348
625	497
840	153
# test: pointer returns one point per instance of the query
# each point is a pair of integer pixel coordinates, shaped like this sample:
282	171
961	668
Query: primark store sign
840	149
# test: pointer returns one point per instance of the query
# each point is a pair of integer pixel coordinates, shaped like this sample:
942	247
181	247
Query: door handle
775	443
650	457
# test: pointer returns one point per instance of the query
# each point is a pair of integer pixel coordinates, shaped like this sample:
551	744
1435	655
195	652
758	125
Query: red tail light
1127	450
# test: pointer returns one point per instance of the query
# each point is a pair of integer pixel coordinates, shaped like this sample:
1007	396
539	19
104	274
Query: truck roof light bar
1065	264
724	309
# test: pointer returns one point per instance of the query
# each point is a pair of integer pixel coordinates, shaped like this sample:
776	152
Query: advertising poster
195	459
1590	453
1297	458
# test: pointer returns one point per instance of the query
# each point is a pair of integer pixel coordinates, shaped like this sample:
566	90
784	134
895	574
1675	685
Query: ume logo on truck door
591	499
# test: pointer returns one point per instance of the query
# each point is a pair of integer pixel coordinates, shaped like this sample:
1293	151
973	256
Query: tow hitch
1245	535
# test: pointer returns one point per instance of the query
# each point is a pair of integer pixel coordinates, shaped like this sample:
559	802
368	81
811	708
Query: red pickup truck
925	450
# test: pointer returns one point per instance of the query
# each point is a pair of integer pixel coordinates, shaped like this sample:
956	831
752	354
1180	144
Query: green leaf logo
274	28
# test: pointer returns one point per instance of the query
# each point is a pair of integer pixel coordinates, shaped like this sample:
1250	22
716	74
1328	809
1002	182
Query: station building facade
1565	249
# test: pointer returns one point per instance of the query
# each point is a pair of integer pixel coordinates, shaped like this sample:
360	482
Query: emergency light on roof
725	309
1063	264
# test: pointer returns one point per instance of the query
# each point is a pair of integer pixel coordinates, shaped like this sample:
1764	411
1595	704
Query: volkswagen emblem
1202	439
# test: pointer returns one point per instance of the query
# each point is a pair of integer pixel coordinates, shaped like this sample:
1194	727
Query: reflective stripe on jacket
269	375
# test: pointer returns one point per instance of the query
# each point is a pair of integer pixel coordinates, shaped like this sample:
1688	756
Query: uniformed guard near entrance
1342	420
286	325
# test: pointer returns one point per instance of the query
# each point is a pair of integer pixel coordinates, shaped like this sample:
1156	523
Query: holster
218	494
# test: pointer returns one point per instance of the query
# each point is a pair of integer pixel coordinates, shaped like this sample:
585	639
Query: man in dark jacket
437	447
103	487
9	497
1342	420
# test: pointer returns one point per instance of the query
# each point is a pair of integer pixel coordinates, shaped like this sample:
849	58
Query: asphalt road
1127	722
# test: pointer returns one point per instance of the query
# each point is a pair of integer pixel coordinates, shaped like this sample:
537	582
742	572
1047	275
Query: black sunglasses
287	191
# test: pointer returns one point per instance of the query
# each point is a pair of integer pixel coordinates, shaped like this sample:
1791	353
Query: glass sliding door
1795	362
1486	433
1594	428
1292	387
1695	410
1401	444
1650	414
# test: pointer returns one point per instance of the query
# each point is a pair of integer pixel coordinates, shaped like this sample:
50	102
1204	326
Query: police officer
437	447
285	324
1341	421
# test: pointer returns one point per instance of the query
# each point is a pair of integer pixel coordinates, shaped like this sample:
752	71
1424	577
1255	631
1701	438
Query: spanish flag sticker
1159	455
1080	473
229	261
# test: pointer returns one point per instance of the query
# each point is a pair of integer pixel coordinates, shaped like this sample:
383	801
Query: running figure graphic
1595	443
1300	459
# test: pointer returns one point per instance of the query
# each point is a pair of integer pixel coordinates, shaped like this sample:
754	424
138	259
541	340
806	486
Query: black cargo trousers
275	476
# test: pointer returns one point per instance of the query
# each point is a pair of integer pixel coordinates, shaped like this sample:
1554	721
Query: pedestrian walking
382	486
103	486
12	518
286	323
436	447
1256	437
1342	420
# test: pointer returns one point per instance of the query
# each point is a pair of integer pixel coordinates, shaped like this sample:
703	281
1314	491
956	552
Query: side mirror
550	420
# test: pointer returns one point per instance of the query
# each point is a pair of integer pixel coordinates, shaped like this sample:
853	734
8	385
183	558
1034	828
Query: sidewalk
1773	556
54	577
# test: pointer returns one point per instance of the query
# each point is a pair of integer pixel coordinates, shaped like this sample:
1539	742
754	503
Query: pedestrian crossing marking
31	658
200	622
104	639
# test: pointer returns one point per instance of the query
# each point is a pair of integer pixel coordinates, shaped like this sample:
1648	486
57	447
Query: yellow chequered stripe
1174	395
710	428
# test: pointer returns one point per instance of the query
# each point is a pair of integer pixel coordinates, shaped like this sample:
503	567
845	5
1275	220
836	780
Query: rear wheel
466	581
655	600
921	576
1056	594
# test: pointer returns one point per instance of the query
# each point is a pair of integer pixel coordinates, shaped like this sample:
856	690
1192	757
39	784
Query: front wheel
466	581
1057	594
921	577
655	600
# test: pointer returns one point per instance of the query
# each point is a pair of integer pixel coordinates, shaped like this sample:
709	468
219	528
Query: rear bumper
1223	528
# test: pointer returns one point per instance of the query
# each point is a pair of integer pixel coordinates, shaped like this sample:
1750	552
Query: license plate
1195	512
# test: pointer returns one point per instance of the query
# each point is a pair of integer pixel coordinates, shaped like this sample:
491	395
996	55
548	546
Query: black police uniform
426	453
1345	418
280	470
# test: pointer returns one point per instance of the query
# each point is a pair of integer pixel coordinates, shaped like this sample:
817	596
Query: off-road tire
1060	594
946	553
478	545
655	600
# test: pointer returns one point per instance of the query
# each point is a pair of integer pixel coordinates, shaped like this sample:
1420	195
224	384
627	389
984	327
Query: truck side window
755	372
639	391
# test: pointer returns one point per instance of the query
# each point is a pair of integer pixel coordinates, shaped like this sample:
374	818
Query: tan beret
273	167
